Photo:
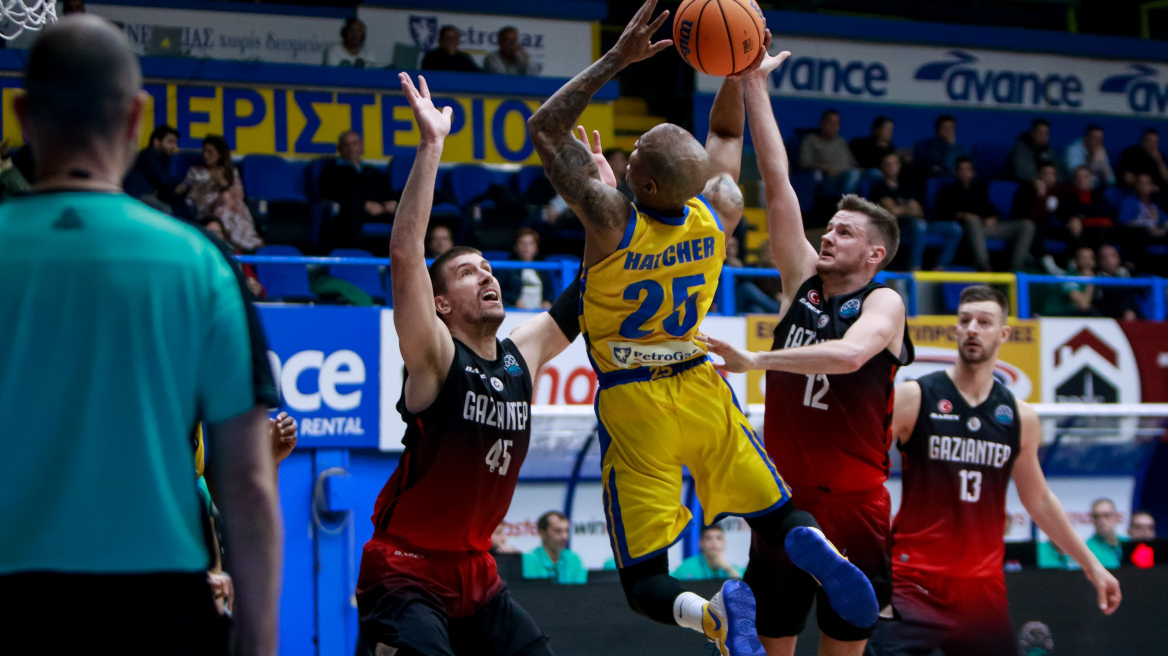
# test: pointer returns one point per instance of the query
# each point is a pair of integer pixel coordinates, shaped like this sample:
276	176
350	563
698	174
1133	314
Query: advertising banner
1149	342
297	122
1088	361
893	73
936	348
266	37
326	365
558	48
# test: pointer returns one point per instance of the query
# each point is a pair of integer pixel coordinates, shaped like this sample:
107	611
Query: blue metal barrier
1156	288
728	301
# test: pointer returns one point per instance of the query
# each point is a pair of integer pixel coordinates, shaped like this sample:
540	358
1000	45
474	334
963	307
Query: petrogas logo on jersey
965	81
1140	85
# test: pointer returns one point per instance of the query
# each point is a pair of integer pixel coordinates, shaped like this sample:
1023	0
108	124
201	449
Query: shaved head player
840	339
962	435
651	270
428	585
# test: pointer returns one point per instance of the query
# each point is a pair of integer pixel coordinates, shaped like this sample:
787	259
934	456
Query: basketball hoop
16	16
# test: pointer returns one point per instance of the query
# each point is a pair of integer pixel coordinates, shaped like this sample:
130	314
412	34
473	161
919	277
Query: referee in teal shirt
120	329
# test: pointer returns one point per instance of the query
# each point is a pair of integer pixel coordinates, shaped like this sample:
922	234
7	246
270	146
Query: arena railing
908	284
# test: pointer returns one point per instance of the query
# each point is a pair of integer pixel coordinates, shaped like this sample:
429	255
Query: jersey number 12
498	458
813	398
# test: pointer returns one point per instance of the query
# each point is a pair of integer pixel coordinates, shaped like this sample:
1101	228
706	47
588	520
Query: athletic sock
687	611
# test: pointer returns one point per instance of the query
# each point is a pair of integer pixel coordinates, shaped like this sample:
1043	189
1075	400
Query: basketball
718	37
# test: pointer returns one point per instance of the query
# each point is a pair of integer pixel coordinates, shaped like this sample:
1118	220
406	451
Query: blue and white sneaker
728	620
848	590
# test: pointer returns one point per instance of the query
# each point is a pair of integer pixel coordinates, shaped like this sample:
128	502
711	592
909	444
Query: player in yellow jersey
651	268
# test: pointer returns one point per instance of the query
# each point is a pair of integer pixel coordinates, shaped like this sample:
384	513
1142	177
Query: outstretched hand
433	123
765	63
607	176
1107	590
736	360
634	43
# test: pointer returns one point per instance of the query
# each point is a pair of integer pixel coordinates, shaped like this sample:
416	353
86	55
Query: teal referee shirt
120	327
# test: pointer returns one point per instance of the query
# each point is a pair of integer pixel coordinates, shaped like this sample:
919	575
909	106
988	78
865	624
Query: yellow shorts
653	422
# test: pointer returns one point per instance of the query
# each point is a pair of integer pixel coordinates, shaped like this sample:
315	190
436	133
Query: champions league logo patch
974	424
512	365
850	309
944	405
622	354
823	320
1004	414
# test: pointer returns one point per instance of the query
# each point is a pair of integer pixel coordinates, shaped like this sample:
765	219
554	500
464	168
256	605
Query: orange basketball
718	37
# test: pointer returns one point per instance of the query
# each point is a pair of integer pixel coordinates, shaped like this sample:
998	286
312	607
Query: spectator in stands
499	541
1105	543
511	58
906	206
217	192
150	179
447	56
1083	212
710	563
1076	299
1144	158
869	151
72	7
938	156
1142	223
351	51
439	239
827	152
1115	302
1037	200
1090	152
1031	150
618	160
363	192
1142	526
966	201
215	227
526	289
553	559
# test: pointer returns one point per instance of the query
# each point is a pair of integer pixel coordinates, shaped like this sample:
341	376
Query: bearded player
962	434
428	584
651	270
840	339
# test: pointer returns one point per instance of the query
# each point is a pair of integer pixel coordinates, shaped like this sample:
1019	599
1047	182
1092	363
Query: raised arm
426	345
793	254
882	319
724	146
1048	513
568	164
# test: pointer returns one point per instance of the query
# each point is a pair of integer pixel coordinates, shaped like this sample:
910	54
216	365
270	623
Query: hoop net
16	16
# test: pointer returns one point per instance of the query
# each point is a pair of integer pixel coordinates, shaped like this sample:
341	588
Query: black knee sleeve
650	590
773	527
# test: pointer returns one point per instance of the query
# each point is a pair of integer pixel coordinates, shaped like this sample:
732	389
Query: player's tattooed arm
568	163
725	197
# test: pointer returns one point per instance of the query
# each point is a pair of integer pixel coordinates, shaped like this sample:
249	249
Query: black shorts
131	614
417	625
860	527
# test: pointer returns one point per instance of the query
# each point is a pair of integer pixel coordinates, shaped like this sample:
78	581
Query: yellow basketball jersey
643	304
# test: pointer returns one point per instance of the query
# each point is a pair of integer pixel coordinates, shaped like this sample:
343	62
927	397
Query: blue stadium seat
366	277
183	160
503	178
312	177
377	230
399	169
1115	196
932	187
1055	246
496	256
1001	194
804	183
989	158
272	177
285	282
468	181
526	176
996	245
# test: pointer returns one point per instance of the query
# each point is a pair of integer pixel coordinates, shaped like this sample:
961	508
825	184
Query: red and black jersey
956	470
831	431
454	482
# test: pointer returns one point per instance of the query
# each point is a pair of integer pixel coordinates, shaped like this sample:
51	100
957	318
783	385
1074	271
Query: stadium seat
503	178
272	177
366	277
1115	196
399	169
996	245
1001	193
526	176
183	160
285	282
932	187
312	177
989	158
804	183
468	182
496	256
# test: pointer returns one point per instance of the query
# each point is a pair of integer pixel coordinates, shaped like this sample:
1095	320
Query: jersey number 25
685	306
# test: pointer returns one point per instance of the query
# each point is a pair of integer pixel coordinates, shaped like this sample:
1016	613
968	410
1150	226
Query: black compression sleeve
566	311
